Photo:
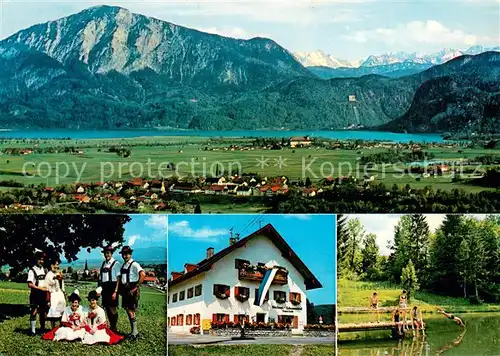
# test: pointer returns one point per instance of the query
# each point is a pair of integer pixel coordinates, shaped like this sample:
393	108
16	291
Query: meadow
14	325
356	294
150	157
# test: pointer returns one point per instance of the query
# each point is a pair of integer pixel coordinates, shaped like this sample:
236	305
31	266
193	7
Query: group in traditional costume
86	325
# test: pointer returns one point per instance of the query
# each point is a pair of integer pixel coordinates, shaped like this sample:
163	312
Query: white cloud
158	222
132	239
419	32
183	229
298	216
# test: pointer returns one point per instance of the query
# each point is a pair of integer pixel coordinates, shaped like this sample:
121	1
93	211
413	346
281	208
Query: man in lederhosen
39	297
131	277
109	276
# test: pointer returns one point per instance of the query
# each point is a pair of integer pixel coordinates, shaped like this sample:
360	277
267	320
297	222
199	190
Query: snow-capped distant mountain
322	59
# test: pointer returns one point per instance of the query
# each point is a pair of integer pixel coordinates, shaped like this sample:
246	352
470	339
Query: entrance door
295	322
261	317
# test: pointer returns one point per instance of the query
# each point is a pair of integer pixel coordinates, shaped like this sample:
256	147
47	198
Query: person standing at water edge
38	295
109	282
131	277
55	285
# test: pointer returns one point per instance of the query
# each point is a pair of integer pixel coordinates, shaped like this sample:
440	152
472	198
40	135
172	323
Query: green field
96	163
15	341
356	294
252	350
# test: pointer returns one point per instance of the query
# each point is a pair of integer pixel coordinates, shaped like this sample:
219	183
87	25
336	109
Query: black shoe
31	333
132	337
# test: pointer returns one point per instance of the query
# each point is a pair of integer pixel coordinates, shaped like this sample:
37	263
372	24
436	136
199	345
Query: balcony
257	274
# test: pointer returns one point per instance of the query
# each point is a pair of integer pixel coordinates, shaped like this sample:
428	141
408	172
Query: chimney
210	252
232	241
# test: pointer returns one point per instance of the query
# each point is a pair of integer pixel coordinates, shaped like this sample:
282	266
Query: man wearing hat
131	277
109	276
39	298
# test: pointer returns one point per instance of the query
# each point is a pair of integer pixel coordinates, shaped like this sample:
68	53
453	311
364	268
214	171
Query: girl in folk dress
72	323
96	329
55	284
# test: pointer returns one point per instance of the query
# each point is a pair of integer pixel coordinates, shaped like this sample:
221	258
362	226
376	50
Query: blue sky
143	231
312	237
348	29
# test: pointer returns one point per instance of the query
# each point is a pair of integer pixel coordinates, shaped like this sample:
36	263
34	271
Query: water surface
443	337
342	135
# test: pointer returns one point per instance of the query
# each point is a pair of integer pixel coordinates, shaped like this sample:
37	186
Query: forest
461	258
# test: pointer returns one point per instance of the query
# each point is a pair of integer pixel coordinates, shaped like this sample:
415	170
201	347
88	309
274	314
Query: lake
481	337
342	135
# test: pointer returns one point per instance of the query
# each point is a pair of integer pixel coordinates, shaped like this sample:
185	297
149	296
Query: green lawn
15	341
252	350
96	160
356	294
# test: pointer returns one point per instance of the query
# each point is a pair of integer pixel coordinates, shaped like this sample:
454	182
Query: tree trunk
477	294
465	287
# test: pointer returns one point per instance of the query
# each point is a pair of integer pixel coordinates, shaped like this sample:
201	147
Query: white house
223	286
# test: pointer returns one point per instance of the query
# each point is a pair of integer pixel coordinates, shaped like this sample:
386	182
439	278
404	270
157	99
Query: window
279	296
197	319
222	291
295	298
266	298
238	263
238	318
173	321
182	295
180	320
220	318
189	319
260	318
241	293
174	297
190	292
197	290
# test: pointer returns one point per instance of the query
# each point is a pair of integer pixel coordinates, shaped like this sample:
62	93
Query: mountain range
107	68
397	64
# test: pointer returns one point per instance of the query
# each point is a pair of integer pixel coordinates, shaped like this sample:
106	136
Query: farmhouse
223	287
300	141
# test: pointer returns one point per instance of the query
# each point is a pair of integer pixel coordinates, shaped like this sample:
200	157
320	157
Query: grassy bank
15	341
356	295
252	350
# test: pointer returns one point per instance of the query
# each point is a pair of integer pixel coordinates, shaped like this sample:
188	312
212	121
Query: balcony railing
281	276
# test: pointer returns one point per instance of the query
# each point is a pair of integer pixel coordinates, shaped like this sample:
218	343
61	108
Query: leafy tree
355	235
409	279
370	254
56	235
197	209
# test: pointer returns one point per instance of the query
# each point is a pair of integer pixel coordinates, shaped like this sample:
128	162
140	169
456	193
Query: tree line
460	259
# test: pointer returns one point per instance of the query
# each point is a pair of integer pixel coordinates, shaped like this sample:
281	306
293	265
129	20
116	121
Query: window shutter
236	291
236	318
214	318
290	296
226	318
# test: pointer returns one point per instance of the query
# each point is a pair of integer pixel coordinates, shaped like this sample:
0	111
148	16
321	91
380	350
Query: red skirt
51	334
114	338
